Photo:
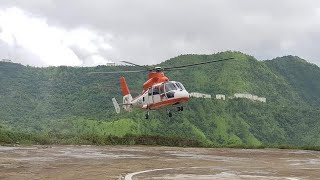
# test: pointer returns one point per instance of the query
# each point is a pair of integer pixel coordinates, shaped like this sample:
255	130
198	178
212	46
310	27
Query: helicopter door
162	93
156	95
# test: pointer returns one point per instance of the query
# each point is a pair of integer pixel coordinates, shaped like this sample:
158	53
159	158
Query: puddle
92	154
206	157
31	159
223	176
304	162
42	159
7	148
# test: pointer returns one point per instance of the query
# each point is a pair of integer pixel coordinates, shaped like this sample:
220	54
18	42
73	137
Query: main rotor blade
127	62
196	64
176	69
117	72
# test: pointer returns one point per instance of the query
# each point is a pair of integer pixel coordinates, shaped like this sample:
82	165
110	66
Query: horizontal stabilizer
116	105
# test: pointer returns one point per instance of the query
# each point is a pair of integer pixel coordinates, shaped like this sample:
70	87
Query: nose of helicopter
182	94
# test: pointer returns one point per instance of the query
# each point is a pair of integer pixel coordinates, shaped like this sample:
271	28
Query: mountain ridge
58	101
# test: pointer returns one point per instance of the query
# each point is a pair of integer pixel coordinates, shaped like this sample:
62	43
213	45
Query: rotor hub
158	69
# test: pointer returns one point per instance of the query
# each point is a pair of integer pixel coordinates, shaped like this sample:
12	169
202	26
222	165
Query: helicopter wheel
180	108
147	115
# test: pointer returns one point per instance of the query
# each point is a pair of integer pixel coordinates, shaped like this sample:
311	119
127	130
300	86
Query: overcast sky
89	33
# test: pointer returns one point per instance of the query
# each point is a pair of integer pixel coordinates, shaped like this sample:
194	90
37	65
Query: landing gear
180	108
147	115
169	113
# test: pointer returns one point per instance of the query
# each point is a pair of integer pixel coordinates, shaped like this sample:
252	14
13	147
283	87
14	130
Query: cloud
148	32
49	44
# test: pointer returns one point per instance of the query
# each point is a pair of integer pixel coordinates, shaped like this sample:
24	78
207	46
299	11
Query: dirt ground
144	162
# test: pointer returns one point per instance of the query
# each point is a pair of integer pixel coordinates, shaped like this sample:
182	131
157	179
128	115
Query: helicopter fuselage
158	92
161	95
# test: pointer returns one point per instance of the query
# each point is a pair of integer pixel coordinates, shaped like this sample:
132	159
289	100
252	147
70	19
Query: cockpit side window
156	90
161	88
170	87
150	92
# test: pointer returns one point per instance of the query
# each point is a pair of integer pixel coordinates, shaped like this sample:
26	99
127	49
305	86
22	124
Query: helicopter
158	91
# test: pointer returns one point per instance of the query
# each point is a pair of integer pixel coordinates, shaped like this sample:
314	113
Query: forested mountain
67	103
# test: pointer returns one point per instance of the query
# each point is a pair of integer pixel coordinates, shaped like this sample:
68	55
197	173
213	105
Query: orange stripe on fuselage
167	102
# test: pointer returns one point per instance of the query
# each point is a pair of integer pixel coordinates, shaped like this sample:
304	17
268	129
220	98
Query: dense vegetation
66	105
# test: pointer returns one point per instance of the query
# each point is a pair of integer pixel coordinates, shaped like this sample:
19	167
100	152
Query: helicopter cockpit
168	90
174	89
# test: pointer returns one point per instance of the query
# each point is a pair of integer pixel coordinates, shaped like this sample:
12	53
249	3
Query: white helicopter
158	92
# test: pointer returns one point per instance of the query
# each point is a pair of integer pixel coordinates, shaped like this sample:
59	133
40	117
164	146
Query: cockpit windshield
180	86
170	87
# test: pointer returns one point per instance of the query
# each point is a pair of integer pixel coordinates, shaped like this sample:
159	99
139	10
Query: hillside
302	76
67	103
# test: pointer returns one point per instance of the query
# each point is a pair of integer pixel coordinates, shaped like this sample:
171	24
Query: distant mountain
57	101
302	76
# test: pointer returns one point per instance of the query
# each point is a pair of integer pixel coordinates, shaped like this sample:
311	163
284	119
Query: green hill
65	104
302	76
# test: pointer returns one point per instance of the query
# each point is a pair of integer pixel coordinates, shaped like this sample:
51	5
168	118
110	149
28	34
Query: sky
89	33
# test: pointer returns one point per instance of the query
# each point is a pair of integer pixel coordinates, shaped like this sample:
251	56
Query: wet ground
143	162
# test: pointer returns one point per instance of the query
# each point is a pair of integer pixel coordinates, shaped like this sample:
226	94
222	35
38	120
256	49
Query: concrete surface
144	162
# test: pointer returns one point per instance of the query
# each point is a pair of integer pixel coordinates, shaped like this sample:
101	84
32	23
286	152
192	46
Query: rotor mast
154	77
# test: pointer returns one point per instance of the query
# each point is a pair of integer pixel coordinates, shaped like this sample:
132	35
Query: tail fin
127	98
124	86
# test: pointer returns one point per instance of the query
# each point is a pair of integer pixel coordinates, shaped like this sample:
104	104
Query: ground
145	162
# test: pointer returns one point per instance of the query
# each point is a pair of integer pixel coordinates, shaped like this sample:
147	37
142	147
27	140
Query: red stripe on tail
124	86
